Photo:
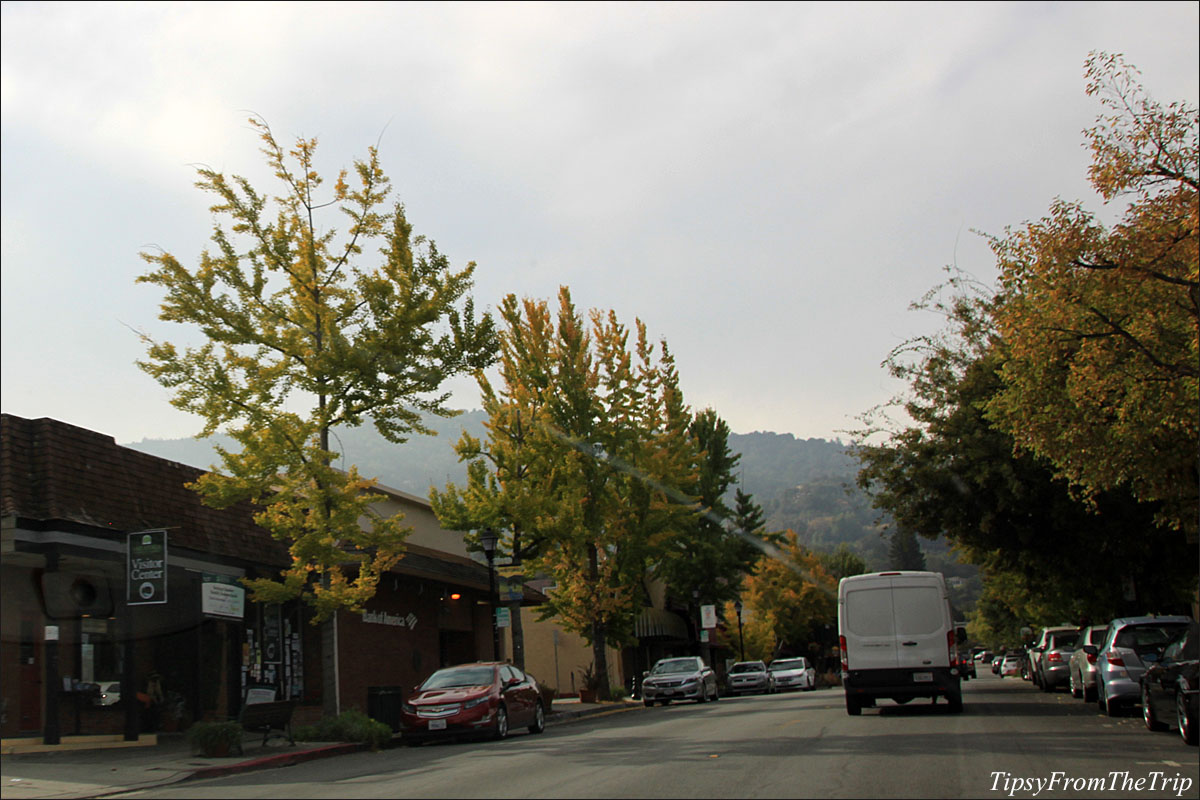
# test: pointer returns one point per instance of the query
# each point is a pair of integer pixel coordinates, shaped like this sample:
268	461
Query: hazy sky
767	186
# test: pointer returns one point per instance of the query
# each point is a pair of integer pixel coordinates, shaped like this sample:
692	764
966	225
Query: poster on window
272	636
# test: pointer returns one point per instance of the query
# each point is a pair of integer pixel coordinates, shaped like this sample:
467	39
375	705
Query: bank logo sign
146	568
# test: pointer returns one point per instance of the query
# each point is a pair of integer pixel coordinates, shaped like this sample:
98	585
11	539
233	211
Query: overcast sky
767	187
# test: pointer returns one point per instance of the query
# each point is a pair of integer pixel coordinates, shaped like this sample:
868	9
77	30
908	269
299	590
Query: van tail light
951	647
845	659
1115	659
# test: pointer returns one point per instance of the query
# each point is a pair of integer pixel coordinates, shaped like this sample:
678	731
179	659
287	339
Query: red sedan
484	698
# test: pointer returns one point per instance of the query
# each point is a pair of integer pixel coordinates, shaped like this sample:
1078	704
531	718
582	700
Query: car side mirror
646	674
1091	649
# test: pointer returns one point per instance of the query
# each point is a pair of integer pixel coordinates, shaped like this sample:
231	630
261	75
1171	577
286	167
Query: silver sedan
686	678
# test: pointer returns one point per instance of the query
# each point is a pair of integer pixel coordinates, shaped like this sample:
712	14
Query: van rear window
919	610
869	611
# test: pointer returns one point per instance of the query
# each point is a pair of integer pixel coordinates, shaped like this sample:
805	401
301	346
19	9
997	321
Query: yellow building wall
558	658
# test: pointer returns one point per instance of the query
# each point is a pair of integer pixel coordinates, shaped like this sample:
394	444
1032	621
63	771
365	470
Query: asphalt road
785	745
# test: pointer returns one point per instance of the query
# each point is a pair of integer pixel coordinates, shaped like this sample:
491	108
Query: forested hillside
804	485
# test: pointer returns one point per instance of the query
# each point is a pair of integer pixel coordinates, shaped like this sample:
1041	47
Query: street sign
146	568
510	570
708	616
503	617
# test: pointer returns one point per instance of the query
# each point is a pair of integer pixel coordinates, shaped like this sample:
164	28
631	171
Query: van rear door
868	623
922	619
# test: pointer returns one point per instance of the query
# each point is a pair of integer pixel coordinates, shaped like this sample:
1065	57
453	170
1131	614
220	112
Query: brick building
84	650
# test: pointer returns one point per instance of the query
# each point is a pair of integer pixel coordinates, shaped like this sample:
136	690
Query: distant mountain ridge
806	485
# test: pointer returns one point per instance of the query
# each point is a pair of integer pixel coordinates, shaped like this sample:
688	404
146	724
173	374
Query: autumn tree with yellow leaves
304	335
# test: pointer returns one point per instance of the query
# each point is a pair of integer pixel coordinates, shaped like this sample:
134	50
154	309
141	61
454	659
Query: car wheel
852	706
703	698
1186	721
501	730
956	701
1152	723
1111	707
1076	692
1100	702
539	719
1089	692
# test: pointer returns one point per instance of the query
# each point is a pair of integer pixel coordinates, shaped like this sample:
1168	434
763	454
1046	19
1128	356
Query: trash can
383	704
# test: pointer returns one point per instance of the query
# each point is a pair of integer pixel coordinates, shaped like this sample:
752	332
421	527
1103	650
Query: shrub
349	726
215	738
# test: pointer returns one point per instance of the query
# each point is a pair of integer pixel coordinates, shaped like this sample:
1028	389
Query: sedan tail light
1054	657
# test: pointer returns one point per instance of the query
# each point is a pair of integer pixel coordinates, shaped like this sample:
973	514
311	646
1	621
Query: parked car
1011	665
749	676
984	657
1122	659
997	662
1083	665
1054	660
1169	686
686	678
110	694
484	698
1038	648
793	673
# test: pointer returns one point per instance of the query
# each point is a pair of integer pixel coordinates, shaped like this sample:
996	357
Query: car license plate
923	677
437	724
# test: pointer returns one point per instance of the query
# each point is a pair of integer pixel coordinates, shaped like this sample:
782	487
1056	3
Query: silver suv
1120	662
1040	648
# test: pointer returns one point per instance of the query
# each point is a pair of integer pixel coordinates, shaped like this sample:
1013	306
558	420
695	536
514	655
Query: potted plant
591	684
215	739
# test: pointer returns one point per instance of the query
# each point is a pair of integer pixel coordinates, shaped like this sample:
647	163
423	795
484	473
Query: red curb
281	760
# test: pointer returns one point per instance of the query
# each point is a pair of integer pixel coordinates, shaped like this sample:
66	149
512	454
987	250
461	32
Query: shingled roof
52	472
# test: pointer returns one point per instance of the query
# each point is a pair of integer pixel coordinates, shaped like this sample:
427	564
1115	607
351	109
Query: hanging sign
708	616
146	568
222	596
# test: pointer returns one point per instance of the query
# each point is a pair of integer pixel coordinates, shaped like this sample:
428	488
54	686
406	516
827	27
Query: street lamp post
488	539
741	639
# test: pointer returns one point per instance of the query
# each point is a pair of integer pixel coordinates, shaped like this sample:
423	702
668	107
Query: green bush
349	726
215	738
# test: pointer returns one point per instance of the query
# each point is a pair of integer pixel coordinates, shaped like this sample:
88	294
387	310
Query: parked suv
750	676
1120	662
1040	648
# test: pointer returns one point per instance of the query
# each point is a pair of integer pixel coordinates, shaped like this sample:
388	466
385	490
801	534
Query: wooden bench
268	717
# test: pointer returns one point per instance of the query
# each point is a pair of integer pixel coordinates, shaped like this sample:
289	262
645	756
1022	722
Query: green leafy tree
951	472
843	562
302	337
587	447
1101	368
706	562
904	552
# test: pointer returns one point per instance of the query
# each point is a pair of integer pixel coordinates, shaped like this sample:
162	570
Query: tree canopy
304	335
1099	325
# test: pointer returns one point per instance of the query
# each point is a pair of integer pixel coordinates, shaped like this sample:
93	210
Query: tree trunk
599	655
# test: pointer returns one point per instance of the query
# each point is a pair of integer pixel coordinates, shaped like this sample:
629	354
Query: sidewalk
83	771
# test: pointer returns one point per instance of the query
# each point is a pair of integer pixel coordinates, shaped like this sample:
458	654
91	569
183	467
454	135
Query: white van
897	639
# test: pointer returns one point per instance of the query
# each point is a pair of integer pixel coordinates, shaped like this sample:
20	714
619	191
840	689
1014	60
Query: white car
110	694
793	673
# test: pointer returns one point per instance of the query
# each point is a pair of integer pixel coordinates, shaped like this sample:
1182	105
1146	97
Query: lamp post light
737	604
488	539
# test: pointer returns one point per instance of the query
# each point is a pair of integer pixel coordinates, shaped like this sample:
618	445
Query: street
788	745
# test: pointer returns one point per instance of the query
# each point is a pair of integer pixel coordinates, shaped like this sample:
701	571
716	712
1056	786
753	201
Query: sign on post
222	596
503	617
708	616
146	568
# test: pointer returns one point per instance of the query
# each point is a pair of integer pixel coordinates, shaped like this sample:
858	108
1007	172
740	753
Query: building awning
656	622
